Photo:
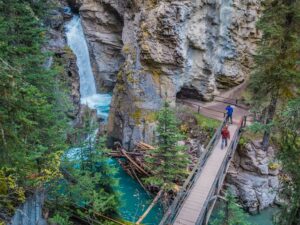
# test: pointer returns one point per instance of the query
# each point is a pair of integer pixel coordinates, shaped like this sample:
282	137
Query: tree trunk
270	116
150	207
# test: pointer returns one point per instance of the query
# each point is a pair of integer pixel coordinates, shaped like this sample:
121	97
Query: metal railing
176	205
218	182
199	107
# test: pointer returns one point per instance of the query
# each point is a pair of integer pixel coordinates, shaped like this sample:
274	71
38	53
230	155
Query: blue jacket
229	110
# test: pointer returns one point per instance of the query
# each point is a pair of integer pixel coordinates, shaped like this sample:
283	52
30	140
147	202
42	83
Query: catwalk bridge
195	201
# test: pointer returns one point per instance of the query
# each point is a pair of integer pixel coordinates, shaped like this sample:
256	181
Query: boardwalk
194	203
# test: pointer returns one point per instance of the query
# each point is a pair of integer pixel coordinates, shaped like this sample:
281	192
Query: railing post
245	121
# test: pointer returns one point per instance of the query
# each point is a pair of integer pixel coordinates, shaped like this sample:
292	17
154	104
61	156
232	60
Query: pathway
194	203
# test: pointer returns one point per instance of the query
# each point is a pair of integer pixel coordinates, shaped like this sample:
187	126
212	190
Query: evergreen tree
88	188
169	161
32	120
276	72
231	213
289	155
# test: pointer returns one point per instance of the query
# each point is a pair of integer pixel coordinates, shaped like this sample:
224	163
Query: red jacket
225	133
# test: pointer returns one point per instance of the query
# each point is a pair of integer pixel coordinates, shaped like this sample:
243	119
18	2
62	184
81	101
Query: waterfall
77	42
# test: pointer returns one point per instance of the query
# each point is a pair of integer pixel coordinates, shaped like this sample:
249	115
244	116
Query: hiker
225	135
229	110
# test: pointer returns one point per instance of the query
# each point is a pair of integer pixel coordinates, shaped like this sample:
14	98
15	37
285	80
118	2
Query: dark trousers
229	119
224	142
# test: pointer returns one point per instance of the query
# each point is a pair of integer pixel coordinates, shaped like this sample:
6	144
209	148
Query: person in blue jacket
229	110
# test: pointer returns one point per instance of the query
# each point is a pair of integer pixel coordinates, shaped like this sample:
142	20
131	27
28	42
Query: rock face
103	24
187	48
30	212
253	176
63	56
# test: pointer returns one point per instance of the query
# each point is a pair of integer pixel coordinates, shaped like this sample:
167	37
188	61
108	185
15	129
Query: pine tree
276	72
32	121
88	187
231	213
169	161
289	156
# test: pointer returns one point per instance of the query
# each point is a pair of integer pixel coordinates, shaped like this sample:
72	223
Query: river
134	199
265	217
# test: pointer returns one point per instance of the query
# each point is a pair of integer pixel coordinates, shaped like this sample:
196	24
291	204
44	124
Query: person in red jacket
225	136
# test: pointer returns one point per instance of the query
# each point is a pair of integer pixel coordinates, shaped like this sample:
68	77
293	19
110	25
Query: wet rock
102	23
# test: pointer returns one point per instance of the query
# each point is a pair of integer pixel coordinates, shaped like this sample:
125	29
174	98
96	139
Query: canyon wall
152	51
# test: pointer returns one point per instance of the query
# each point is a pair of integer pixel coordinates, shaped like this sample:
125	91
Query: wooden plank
195	201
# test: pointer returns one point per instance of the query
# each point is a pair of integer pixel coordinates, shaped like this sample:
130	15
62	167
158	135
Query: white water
76	41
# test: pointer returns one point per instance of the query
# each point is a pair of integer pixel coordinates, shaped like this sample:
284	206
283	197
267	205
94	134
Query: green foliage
11	195
289	155
32	117
276	77
60	219
277	56
88	185
169	161
231	213
208	124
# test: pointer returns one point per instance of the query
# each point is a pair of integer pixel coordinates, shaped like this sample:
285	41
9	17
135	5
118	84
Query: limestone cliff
103	24
190	48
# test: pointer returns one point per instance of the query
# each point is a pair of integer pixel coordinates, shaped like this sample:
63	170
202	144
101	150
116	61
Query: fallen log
150	207
118	154
137	178
133	162
144	146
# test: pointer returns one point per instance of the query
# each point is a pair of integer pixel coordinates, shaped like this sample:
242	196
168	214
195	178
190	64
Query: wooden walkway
195	201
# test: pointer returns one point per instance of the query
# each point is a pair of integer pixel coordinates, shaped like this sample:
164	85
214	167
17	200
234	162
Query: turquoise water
134	199
265	217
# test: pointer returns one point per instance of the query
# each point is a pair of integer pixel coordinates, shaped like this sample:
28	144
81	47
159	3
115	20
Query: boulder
255	181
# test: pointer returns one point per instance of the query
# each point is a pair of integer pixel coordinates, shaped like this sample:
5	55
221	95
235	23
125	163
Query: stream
265	217
134	199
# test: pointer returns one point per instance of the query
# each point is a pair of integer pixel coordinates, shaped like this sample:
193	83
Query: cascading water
134	200
89	96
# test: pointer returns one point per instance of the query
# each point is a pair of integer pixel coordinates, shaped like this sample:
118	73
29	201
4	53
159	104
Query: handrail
221	173
173	210
199	106
225	97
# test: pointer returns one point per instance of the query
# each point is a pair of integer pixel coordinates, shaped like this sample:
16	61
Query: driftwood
140	182
150	207
144	146
134	163
117	154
